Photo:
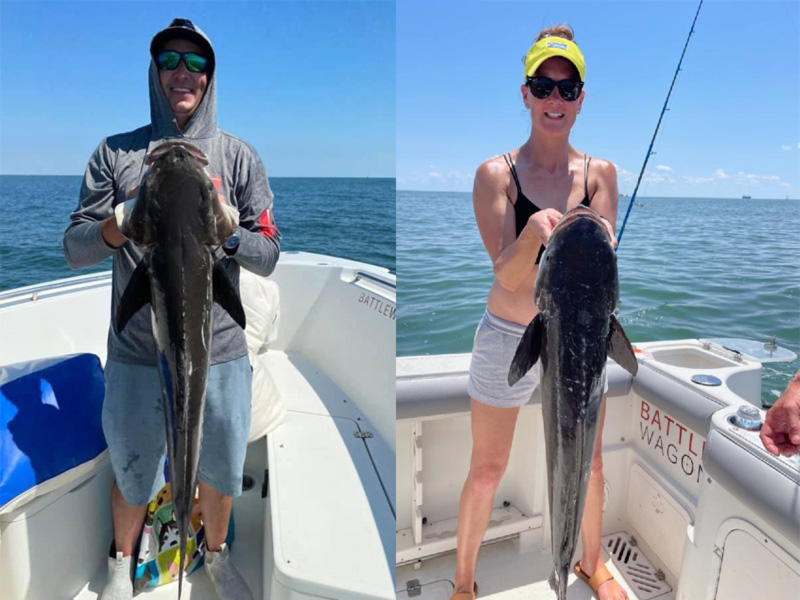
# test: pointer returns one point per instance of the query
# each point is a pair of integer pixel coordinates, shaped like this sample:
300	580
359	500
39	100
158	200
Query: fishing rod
655	133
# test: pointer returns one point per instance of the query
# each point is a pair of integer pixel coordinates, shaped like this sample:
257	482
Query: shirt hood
203	123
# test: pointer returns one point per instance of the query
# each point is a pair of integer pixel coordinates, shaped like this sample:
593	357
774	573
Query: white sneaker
119	585
227	581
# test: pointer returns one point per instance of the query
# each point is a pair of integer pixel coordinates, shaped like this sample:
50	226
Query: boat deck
505	571
306	393
247	552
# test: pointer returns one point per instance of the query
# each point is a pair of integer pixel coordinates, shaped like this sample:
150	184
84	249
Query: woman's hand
541	224
610	230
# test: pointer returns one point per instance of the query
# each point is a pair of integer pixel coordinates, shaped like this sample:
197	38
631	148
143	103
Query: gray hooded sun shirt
118	165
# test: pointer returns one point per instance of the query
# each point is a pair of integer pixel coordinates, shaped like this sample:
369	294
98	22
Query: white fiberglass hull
694	508
324	528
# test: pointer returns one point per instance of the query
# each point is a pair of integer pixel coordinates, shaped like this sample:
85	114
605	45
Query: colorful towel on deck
159	550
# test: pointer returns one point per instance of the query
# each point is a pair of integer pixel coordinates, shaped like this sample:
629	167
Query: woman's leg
492	434
592	523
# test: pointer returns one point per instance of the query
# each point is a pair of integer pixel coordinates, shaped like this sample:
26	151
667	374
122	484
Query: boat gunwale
54	288
59	287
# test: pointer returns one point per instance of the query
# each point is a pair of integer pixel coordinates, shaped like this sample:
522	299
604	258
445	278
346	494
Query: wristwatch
231	245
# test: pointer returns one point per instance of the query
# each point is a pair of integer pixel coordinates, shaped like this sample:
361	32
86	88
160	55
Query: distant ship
746	198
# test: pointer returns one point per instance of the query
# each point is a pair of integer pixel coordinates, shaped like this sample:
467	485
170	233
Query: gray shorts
496	341
135	428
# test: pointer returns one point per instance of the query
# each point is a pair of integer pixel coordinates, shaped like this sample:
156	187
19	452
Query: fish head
177	197
177	150
579	264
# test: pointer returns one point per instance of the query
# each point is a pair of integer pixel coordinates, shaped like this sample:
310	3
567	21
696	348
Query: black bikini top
524	208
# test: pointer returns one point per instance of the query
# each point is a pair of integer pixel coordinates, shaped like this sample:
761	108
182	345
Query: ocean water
688	268
348	218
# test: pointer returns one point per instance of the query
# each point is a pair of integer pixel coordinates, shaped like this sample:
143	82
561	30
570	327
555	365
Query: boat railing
54	288
379	280
382	286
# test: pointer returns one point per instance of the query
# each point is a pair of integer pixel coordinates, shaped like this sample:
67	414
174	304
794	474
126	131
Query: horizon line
627	196
268	176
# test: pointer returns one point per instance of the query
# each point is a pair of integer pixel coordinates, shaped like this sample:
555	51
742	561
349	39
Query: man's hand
109	229
780	433
111	233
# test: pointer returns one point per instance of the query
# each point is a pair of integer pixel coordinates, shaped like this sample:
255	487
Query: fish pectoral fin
135	296
619	348
527	352
225	295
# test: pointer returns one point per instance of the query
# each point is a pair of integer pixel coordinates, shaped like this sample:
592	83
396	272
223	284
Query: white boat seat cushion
267	410
261	301
50	425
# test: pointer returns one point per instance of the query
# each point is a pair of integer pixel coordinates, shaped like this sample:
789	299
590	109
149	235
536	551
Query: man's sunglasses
542	87
169	59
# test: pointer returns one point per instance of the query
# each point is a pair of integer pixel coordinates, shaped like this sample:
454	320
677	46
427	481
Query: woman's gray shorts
135	428
496	341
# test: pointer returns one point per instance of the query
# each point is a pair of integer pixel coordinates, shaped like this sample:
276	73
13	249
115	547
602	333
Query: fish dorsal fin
225	295
135	296
527	352
619	348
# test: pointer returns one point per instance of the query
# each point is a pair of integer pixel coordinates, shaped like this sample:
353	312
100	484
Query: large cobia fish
575	330
178	217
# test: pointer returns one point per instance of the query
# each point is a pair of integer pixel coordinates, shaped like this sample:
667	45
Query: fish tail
182	557
558	585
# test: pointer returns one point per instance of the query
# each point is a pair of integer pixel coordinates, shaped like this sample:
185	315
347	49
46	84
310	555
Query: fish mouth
173	145
576	214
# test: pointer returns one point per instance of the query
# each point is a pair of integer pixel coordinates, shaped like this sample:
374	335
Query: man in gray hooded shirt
182	106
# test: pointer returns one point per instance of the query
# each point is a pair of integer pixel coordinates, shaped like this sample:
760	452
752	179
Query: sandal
598	578
467	595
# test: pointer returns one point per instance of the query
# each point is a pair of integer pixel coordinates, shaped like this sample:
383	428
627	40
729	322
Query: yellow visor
554	46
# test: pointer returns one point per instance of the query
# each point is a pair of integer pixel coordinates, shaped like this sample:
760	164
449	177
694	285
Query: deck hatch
640	575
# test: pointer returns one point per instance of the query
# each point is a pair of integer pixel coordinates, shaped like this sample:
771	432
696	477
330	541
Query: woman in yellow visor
518	198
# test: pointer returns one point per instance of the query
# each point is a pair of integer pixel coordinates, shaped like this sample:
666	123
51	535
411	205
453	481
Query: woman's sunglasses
169	59
542	87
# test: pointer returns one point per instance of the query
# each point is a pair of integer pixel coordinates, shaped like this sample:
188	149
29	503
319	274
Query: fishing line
652	141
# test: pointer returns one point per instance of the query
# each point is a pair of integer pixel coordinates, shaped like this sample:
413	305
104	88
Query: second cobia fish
178	217
574	332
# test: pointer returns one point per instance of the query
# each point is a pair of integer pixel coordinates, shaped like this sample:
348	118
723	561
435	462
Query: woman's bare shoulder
493	168
492	175
603	168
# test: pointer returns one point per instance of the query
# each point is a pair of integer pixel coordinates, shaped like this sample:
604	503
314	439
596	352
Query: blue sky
309	84
733	127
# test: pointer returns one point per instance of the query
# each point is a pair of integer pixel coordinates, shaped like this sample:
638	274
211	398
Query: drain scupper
645	580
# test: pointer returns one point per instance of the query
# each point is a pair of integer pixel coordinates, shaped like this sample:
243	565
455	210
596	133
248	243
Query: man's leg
226	425
216	513
133	424
128	520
